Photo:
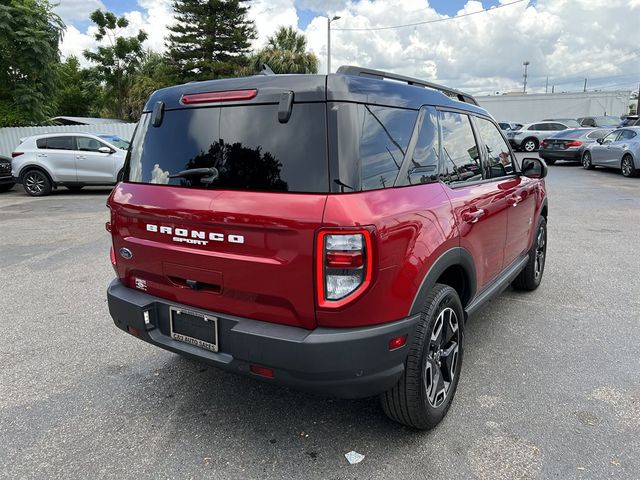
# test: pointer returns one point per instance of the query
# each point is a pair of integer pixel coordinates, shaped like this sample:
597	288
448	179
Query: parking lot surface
550	383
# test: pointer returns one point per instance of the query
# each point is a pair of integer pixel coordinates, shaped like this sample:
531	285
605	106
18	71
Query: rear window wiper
208	175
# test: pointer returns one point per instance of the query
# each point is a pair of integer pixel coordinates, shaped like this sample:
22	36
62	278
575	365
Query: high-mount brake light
212	97
344	266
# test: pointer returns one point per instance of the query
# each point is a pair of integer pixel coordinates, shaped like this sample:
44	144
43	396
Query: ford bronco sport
327	232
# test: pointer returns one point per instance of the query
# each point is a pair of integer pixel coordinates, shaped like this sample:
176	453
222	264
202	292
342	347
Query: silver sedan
620	149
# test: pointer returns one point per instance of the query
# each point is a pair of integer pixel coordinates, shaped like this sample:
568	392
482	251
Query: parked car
509	126
314	231
629	121
528	138
569	122
569	145
74	160
603	121
6	180
620	149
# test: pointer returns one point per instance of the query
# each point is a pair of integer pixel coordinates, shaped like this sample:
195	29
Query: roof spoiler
370	73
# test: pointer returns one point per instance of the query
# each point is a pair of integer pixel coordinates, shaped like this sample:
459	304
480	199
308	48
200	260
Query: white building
526	108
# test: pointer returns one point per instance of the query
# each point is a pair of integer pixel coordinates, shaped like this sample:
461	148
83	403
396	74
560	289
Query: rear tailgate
248	254
239	238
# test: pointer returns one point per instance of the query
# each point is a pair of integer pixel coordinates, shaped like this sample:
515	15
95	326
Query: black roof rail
368	72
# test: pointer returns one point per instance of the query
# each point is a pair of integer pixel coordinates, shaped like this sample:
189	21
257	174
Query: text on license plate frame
197	342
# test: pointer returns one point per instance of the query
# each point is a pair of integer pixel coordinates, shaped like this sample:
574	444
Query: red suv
328	232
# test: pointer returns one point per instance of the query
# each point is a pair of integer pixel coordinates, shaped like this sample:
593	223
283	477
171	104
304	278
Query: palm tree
285	52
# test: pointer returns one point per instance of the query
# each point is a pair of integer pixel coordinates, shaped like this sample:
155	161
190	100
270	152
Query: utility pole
329	20
553	88
526	63
585	85
638	104
546	85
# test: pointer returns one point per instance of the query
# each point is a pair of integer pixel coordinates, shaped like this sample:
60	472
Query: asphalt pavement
550	383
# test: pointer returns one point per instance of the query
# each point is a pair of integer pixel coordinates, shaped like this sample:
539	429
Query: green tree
286	52
210	38
29	37
117	58
154	73
79	92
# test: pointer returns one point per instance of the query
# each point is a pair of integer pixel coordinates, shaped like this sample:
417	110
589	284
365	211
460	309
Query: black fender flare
456	256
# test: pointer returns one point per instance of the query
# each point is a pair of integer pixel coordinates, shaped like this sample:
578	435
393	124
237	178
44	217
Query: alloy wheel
34	182
541	251
586	160
529	146
627	167
441	364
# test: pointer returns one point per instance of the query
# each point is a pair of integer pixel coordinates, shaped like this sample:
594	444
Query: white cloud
481	53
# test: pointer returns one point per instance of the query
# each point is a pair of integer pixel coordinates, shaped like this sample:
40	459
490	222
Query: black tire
416	400
550	161
74	188
587	163
627	166
530	145
531	276
6	187
36	183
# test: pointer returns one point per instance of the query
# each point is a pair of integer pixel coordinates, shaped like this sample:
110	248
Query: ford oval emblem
126	253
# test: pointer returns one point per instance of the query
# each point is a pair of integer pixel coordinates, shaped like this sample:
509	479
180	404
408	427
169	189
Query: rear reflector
262	371
210	97
133	331
113	256
16	154
344	259
397	342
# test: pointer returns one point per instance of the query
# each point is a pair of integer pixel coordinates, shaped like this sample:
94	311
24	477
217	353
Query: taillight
543	143
344	266
16	154
210	97
574	143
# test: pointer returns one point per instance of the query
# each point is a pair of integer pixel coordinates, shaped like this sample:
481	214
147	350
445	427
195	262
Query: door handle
516	199
42	154
472	216
82	157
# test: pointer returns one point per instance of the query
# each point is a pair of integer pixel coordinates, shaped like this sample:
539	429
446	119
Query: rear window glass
568	134
245	147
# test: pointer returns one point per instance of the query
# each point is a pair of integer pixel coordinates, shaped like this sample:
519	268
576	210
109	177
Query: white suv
73	160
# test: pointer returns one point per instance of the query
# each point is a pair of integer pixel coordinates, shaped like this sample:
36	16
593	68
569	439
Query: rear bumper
570	155
347	363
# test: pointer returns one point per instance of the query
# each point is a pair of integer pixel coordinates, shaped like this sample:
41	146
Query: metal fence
10	137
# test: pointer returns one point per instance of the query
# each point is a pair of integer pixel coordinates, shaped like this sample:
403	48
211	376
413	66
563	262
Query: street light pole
329	20
526	64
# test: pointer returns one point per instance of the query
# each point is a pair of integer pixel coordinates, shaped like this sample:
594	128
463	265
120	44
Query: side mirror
534	168
105	150
600	140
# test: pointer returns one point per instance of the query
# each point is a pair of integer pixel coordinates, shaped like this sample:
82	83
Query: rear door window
246	145
460	153
56	143
597	134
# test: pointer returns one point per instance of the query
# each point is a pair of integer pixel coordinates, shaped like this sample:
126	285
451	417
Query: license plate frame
175	312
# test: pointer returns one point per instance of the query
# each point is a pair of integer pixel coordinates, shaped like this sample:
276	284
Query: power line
428	21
